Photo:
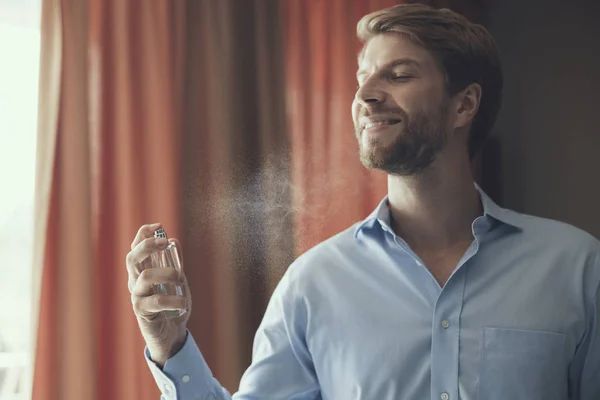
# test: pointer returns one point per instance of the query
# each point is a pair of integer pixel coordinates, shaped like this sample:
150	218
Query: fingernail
161	242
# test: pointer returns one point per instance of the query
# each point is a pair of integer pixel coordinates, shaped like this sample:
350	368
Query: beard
417	140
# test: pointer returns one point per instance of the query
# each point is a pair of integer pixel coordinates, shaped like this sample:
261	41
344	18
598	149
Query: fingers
145	232
151	305
141	252
146	303
149	278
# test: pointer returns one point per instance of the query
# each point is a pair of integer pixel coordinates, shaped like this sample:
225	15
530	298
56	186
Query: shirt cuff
185	375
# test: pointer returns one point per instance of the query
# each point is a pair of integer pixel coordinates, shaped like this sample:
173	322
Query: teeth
379	123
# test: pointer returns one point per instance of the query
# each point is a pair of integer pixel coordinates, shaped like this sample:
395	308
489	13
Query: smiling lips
370	125
378	125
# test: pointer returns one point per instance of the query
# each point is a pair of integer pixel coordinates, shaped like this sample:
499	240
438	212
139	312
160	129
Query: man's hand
164	336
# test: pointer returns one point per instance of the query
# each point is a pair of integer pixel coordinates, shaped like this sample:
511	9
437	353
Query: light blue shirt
360	317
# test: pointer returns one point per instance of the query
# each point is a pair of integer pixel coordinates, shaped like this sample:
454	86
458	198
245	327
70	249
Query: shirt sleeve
281	367
589	387
186	376
585	368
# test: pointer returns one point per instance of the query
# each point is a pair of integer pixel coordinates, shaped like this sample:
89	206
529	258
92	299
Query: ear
467	104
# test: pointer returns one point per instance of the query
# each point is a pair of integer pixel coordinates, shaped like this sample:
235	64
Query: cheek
414	97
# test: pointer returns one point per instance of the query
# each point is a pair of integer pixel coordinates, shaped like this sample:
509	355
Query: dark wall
546	160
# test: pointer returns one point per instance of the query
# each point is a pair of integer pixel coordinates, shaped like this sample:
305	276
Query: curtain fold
65	300
49	89
135	61
238	236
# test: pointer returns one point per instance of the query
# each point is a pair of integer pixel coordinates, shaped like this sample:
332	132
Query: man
439	293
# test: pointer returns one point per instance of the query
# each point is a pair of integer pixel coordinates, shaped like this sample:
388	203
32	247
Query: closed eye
401	78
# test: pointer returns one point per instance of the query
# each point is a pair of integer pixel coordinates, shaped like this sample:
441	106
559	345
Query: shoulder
325	260
556	234
560	248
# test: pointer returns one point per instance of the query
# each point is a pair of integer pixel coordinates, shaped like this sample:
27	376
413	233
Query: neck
434	210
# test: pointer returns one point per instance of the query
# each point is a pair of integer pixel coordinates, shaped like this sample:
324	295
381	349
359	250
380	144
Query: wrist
159	354
178	343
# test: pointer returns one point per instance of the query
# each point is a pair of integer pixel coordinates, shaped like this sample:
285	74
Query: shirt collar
381	214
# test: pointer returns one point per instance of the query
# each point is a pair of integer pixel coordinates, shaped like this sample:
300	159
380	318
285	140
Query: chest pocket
522	365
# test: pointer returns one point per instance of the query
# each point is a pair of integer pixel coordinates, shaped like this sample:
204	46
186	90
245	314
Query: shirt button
445	396
168	388
445	325
185	378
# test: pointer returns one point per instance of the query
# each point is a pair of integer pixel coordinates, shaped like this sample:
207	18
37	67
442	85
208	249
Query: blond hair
466	52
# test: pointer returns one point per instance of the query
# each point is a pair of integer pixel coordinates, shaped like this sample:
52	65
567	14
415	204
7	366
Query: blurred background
229	122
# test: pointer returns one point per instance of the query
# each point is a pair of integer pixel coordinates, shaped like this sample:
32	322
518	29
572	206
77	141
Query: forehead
384	48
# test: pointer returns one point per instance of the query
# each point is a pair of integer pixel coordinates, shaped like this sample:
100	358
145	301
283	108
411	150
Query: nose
369	94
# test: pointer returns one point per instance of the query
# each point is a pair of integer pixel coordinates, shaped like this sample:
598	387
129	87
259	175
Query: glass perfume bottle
168	258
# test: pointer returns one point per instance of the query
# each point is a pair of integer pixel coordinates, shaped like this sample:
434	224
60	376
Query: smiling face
401	110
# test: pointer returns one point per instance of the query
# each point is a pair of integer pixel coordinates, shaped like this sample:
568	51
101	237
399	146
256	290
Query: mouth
375	126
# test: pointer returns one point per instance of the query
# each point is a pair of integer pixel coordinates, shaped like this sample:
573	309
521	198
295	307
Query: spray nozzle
160	233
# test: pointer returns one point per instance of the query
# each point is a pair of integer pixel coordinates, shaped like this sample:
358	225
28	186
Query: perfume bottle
168	258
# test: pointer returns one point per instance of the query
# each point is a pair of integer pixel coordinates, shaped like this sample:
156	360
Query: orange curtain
113	136
135	64
168	111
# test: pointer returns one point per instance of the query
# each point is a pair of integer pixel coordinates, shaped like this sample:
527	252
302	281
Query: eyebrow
395	63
